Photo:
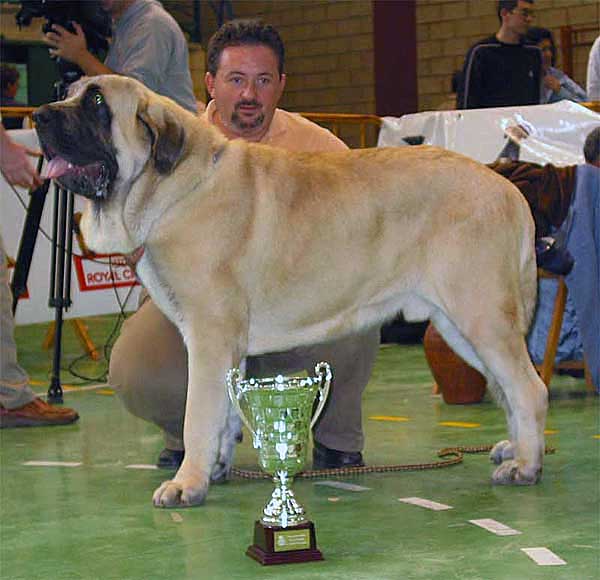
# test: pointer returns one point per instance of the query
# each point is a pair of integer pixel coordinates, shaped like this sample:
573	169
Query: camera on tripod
90	15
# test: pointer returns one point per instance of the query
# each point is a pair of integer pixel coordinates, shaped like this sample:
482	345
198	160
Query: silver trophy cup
279	413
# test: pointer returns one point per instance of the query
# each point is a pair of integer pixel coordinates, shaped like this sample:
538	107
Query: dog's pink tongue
57	167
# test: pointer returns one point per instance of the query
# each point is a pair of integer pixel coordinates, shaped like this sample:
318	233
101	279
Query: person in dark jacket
503	70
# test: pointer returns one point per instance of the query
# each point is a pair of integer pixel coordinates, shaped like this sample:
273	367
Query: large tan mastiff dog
250	249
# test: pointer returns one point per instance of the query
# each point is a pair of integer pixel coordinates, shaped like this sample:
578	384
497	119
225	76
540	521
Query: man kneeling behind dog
148	366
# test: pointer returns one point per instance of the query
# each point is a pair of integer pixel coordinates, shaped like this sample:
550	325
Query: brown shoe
36	414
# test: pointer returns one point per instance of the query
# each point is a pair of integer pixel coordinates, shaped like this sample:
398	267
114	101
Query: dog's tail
528	269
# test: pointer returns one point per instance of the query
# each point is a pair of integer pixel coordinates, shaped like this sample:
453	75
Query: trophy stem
283	510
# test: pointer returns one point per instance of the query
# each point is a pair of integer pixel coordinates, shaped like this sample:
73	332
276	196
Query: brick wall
329	52
329	44
446	29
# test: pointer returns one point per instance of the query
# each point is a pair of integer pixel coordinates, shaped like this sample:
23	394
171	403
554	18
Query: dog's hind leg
498	350
527	398
503	449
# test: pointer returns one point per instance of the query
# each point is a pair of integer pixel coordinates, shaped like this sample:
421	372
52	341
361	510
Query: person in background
19	405
593	72
148	366
147	45
503	70
9	79
557	85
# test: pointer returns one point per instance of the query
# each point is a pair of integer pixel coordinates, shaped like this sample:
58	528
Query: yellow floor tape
388	418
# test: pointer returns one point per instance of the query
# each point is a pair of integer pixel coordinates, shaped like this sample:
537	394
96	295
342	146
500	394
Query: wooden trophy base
279	545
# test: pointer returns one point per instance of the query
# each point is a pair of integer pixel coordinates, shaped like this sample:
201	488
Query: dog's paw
512	473
181	492
502	451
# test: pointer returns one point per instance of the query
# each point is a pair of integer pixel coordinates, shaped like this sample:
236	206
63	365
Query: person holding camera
147	45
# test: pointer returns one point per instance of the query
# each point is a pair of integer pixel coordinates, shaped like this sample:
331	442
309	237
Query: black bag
551	252
553	256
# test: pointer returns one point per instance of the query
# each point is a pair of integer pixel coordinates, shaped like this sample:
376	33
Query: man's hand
552	83
15	164
68	46
73	47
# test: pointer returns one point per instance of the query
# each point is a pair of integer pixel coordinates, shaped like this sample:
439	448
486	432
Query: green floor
96	521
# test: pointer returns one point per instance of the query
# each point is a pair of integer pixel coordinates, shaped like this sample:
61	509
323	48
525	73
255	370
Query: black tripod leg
35	209
60	280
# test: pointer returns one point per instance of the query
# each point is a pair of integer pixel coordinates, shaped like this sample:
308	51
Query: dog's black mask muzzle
77	143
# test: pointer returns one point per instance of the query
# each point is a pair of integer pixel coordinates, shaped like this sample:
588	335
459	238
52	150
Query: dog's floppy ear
166	133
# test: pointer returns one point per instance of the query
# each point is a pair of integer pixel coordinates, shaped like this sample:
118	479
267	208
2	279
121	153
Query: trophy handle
234	379
323	372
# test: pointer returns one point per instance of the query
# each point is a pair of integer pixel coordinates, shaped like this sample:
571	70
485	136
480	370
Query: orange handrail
336	120
18	112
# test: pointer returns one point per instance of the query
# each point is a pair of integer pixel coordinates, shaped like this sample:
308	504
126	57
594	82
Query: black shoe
170	459
325	458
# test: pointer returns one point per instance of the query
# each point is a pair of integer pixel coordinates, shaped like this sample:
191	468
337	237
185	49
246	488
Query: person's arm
73	47
570	90
15	164
470	88
460	90
593	72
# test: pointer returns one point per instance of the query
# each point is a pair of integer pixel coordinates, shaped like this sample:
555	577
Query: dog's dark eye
99	99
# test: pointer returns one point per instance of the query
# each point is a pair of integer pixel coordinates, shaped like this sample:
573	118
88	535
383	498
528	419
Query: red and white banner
103	272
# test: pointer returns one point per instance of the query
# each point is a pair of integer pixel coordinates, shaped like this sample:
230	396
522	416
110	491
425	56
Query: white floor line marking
544	557
73	389
52	463
495	527
425	503
141	466
343	485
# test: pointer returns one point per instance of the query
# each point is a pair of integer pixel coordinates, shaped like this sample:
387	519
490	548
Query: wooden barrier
19	112
339	123
572	38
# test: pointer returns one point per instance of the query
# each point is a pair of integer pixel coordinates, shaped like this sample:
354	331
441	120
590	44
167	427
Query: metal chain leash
456	455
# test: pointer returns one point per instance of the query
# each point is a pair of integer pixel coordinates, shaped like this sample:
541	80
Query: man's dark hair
508	5
242	32
536	34
9	75
591	147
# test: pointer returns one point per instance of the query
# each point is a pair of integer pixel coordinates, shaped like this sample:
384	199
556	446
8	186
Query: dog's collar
134	257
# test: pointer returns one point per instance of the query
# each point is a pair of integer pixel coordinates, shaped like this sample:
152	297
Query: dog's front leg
206	415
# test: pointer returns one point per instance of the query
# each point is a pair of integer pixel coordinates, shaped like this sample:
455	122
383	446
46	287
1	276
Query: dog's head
102	136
